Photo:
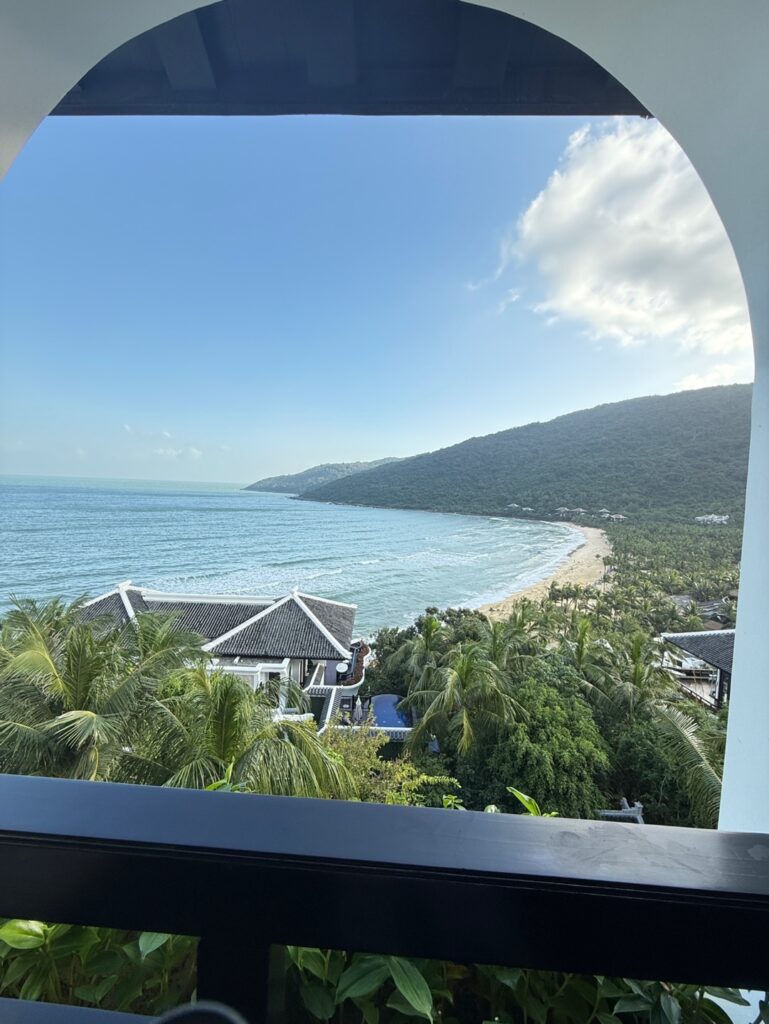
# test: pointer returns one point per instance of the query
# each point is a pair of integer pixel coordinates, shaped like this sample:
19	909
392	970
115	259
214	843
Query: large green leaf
21	934
16	969
318	998
714	1012
528	802
96	992
670	1008
362	977
150	941
632	1004
312	960
730	995
412	986
369	1010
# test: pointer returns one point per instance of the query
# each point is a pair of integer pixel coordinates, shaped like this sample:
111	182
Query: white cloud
194	453
513	294
721	373
169	453
167	434
628	244
127	428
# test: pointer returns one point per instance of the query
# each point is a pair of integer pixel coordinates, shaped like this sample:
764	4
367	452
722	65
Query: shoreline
582	566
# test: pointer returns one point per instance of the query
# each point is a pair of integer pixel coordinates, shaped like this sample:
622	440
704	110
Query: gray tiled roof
716	647
110	604
136	600
285	632
288	631
209	618
338	619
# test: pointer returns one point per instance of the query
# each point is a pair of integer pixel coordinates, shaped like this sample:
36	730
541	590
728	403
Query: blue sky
222	299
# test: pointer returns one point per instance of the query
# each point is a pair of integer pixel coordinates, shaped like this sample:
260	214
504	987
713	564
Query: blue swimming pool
385	711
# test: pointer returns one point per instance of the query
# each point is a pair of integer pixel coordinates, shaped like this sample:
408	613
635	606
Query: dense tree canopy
671	457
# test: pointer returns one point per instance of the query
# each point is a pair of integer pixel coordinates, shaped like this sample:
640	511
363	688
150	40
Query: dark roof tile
715	648
109	604
209	618
339	619
285	632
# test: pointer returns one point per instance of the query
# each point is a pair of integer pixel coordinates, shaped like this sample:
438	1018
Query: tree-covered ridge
316	476
666	457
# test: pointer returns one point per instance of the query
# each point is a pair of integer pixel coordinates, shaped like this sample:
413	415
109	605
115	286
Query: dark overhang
715	647
348	57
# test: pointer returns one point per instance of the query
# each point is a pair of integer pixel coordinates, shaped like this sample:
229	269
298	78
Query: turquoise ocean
69	537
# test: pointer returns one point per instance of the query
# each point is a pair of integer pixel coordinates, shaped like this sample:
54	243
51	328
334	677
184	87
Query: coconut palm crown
73	693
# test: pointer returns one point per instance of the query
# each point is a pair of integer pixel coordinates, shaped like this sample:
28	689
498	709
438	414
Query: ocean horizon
70	536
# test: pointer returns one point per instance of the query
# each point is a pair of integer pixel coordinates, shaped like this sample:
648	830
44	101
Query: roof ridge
327	600
100	597
121	589
701	632
248	622
171	595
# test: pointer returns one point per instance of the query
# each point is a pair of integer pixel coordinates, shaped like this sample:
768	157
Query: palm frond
702	779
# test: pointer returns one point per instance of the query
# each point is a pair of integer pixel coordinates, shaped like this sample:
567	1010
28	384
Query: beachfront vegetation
565	701
664	458
594	718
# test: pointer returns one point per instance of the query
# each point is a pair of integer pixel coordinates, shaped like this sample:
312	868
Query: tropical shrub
356	988
141	972
555	751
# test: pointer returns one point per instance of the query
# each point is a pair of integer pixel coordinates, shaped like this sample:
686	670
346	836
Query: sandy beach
584	566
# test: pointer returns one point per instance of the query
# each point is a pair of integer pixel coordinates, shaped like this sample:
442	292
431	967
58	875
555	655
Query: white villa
299	637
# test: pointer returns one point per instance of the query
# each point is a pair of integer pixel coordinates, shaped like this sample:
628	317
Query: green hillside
665	457
316	476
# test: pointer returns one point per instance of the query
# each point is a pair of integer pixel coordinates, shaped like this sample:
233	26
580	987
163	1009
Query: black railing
247	872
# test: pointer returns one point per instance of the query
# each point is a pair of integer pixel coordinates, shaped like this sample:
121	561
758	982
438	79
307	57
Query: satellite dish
342	667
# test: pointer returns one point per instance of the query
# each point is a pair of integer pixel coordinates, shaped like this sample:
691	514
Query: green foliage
219	728
670	457
555	751
73	694
384	781
145	972
464	696
675	559
533	809
355	988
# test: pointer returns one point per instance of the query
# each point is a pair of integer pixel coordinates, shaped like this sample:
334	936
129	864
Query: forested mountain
665	457
316	476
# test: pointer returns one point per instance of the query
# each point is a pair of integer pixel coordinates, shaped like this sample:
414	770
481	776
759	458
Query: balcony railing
247	872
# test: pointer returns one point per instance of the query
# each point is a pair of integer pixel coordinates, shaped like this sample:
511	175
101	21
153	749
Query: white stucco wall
46	46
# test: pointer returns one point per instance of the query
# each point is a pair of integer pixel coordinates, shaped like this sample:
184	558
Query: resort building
704	672
301	638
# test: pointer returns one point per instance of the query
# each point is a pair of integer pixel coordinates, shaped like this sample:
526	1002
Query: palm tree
588	656
216	727
701	769
72	693
419	656
498	643
468	693
632	683
509	644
